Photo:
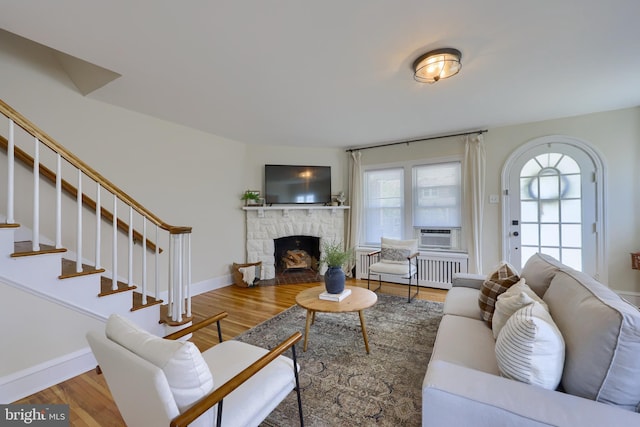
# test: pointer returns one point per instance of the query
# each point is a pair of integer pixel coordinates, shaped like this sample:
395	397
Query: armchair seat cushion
250	403
393	268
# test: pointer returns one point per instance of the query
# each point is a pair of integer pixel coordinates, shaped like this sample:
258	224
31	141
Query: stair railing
178	264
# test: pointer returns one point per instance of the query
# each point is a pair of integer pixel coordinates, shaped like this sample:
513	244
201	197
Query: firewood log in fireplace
296	258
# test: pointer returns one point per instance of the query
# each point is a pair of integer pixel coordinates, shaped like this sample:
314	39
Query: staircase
61	243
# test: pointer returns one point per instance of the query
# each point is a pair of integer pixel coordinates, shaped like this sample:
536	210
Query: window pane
437	195
572	258
573	187
529	211
383	204
550	211
571	211
529	234
568	165
526	253
531	168
549	235
572	235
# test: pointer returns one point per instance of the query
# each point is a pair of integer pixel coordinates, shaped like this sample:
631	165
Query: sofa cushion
462	302
530	348
602	336
539	270
495	284
465	342
510	301
186	371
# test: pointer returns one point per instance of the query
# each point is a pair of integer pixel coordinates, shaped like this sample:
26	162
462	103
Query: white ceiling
337	73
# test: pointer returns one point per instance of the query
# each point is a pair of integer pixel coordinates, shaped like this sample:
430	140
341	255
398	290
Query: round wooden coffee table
359	299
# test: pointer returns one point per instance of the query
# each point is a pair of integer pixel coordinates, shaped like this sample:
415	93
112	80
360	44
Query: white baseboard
205	286
632	297
24	383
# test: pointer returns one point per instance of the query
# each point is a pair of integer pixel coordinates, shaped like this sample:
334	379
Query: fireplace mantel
286	208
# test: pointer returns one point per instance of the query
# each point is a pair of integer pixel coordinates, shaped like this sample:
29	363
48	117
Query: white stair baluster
144	260
171	278
130	244
188	281
10	175
58	201
36	196
157	266
79	224
178	302
114	250
98	227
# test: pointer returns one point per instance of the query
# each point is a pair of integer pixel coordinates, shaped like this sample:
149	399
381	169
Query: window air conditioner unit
434	238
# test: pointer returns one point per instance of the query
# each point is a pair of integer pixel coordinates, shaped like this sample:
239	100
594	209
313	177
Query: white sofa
601	376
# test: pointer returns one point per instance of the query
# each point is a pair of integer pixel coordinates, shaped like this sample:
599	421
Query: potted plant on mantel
335	257
251	197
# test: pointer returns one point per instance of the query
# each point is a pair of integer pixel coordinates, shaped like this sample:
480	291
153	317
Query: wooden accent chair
395	258
160	381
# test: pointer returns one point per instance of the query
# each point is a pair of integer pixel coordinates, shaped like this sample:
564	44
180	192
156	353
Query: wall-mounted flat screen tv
290	184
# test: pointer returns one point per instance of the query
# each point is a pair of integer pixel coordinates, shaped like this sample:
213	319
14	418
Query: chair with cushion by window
395	258
164	382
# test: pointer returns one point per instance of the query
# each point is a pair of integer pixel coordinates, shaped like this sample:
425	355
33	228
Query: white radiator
436	269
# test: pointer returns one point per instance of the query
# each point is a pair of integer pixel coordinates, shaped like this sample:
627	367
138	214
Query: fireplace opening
296	253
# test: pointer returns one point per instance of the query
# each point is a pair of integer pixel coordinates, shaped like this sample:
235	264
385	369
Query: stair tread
137	301
165	317
69	269
106	287
25	248
9	225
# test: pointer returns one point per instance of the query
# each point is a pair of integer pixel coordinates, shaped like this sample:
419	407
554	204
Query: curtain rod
479	132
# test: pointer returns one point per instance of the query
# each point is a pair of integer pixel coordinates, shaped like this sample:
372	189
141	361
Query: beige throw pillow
513	299
496	283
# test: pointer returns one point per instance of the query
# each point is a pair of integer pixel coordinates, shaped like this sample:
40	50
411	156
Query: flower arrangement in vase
335	257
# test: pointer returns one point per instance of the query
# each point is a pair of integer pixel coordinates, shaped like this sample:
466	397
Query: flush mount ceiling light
436	65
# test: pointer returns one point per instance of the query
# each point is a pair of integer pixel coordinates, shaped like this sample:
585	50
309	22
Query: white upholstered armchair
395	258
160	381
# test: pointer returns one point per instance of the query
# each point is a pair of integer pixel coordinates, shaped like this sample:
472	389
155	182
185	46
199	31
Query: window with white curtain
400	199
437	195
383	204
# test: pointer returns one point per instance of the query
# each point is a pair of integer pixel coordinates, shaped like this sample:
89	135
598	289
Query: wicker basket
237	274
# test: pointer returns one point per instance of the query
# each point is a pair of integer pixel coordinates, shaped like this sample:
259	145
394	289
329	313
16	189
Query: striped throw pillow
495	284
530	348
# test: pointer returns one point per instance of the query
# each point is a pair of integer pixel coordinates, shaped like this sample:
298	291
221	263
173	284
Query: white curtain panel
355	193
474	177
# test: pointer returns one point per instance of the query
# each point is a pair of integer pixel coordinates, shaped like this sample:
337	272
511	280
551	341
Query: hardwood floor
88	396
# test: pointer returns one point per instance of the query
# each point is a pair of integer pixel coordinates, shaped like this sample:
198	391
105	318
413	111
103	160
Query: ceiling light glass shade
436	65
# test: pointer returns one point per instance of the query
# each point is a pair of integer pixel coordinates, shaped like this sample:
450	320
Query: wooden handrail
207	402
50	175
34	131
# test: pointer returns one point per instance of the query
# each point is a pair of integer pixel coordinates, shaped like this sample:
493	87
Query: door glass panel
529	235
529	211
549	235
571	211
571	235
550	207
550	211
572	258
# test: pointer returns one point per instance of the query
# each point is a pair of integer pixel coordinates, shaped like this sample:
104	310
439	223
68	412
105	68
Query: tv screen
289	184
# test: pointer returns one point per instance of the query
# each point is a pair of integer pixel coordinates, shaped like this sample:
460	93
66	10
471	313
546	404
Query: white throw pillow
397	251
530	348
186	371
510	301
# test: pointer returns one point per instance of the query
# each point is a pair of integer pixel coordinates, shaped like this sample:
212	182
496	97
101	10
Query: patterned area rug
342	384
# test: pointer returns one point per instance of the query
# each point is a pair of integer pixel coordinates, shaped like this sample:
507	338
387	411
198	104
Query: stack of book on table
335	297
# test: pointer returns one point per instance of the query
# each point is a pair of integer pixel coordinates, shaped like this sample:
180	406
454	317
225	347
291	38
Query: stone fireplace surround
264	224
